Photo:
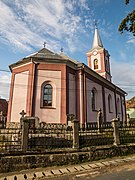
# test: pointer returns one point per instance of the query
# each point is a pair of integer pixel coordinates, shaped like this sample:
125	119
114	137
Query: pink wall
72	94
92	115
19	95
112	115
50	115
121	107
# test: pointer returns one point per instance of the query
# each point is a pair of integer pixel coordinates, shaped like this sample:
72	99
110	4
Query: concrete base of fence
11	163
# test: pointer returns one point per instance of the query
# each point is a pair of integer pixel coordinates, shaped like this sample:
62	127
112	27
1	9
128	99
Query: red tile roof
130	103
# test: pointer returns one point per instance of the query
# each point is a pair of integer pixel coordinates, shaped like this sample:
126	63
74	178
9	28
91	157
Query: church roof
68	58
97	43
46	54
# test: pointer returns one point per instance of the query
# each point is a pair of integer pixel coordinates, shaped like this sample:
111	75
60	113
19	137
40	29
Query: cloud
131	40
4	84
123	76
28	23
15	31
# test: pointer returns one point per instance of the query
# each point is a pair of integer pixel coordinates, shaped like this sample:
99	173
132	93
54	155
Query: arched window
95	64
93	99
110	103
47	95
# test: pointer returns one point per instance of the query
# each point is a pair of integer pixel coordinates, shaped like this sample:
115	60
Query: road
122	171
116	168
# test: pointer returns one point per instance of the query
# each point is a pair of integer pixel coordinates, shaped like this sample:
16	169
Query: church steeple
97	40
98	57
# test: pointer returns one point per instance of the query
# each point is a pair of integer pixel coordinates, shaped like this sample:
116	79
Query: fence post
75	126
116	132
99	121
128	120
25	128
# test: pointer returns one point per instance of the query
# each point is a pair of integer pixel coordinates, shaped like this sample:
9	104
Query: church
50	86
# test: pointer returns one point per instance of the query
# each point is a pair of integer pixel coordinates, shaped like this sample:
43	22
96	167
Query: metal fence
127	134
94	125
89	138
50	138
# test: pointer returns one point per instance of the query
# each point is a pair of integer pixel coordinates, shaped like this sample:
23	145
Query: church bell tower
98	57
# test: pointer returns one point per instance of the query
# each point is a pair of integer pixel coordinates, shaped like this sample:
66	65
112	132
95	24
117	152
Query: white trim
22	65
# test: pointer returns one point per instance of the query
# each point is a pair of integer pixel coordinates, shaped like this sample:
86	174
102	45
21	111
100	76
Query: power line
28	74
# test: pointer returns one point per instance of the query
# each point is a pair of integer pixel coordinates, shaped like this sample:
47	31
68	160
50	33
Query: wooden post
75	126
116	132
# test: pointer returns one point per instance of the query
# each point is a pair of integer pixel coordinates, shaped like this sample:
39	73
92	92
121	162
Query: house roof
130	103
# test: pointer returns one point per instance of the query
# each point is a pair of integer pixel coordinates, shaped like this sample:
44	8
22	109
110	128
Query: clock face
94	53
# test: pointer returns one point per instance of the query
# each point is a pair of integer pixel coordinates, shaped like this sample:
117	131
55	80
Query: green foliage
128	23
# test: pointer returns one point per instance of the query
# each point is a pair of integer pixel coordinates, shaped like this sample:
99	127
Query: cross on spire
95	23
44	44
61	50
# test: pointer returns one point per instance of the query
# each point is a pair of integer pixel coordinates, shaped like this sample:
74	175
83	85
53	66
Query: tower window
95	64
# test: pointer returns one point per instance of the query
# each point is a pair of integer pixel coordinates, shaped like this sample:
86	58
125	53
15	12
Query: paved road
122	168
124	171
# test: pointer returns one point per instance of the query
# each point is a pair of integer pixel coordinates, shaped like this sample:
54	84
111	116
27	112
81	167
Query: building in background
51	85
130	106
3	107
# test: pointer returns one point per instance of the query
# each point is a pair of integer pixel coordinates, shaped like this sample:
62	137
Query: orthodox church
50	86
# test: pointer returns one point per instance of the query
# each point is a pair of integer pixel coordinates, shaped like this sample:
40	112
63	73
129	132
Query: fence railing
52	136
94	138
10	139
127	134
49	138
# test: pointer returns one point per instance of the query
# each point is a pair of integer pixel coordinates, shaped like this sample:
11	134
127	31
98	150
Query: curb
67	170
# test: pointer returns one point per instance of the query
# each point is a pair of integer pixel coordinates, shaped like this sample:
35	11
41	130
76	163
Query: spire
96	41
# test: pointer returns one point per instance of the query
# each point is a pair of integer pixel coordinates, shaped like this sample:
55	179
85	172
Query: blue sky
26	24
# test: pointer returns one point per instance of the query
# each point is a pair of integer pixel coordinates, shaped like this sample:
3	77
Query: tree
128	23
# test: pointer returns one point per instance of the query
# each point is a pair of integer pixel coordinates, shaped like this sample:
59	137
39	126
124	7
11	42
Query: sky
69	24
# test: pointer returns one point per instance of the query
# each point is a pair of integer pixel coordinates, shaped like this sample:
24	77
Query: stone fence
76	133
30	135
